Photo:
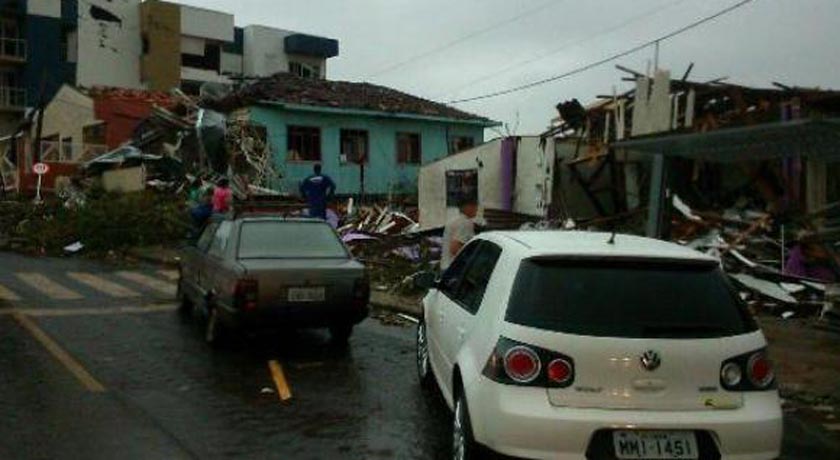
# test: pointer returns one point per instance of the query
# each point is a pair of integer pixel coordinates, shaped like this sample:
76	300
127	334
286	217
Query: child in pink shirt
222	196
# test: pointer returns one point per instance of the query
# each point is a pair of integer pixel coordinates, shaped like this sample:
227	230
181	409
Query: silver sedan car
263	272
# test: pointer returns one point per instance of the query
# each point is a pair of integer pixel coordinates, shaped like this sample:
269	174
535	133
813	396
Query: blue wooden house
368	138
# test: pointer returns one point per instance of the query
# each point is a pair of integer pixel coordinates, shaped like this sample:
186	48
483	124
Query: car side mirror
425	280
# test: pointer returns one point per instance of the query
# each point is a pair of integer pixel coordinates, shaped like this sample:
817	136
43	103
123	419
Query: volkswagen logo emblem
650	360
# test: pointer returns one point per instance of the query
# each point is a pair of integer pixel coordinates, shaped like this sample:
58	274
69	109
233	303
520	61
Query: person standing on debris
809	259
458	232
317	189
222	197
202	212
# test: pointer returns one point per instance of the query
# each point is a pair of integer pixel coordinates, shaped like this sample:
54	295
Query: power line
459	40
644	15
605	60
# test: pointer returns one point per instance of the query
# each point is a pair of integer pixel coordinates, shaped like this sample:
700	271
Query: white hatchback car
571	345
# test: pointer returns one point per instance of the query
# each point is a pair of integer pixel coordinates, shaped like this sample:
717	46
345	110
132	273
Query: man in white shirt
458	232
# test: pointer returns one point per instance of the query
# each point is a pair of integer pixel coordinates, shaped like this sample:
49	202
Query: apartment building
150	44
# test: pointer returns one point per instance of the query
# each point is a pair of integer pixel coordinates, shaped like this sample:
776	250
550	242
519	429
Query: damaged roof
290	89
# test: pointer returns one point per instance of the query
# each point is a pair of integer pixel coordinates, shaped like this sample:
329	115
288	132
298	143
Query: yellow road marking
75	368
171	275
283	390
48	287
50	312
832	426
149	282
103	285
7	294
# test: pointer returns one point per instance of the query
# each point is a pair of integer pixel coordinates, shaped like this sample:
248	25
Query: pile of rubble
390	244
781	265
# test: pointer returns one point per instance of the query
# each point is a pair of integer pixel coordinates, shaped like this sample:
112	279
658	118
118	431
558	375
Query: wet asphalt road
169	396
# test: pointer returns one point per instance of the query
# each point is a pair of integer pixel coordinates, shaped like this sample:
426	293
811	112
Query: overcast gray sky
791	41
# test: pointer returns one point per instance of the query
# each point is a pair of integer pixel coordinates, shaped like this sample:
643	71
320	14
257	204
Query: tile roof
291	89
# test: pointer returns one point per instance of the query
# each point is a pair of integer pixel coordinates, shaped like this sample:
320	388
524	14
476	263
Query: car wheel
185	305
340	335
463	444
213	329
424	368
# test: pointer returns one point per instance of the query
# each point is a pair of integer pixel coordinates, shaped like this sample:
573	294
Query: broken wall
110	44
530	189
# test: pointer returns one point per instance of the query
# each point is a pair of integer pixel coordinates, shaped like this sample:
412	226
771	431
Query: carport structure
813	139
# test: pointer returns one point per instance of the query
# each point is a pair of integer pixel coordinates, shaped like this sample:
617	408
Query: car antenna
612	237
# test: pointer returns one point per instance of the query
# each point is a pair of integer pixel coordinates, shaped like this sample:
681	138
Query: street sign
40	168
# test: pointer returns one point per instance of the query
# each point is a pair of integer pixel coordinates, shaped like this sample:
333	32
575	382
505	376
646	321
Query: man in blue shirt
317	189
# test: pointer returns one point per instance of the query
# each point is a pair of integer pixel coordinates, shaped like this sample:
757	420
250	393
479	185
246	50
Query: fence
68	152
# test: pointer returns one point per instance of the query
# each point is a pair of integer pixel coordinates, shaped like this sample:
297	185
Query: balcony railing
13	49
12	98
68	152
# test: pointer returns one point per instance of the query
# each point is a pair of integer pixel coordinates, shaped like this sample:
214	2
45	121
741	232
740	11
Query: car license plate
655	445
307	294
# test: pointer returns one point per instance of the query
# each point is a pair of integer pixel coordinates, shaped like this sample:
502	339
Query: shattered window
461	143
304	143
354	146
408	148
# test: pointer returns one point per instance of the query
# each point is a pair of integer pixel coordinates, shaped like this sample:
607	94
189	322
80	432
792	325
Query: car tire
424	368
340	334
185	305
214	332
464	446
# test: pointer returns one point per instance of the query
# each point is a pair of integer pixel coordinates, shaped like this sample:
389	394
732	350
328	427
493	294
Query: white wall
531	194
264	52
203	23
109	53
50	8
231	63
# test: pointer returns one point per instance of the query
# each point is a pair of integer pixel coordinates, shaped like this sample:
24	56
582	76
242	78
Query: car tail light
559	371
757	368
515	363
246	294
522	364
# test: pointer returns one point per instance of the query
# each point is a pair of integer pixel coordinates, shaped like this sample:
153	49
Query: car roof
591	244
262	217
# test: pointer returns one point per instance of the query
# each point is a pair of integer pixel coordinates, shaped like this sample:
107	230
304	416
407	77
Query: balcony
12	50
12	98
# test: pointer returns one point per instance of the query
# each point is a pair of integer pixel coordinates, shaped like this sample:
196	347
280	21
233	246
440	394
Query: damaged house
370	139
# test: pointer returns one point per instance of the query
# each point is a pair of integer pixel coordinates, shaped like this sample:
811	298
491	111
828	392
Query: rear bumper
303	316
519	422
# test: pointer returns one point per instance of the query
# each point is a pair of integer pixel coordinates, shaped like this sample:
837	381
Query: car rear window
285	240
636	299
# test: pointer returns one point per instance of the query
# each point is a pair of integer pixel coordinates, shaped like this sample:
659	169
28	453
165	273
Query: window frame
314	135
415	140
472	306
460	263
210	233
223	233
354	135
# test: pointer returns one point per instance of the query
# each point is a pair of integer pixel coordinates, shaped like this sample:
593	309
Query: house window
408	148
304	70
304	143
460	143
354	146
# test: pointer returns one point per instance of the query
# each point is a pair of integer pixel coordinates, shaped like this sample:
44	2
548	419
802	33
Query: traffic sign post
40	169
